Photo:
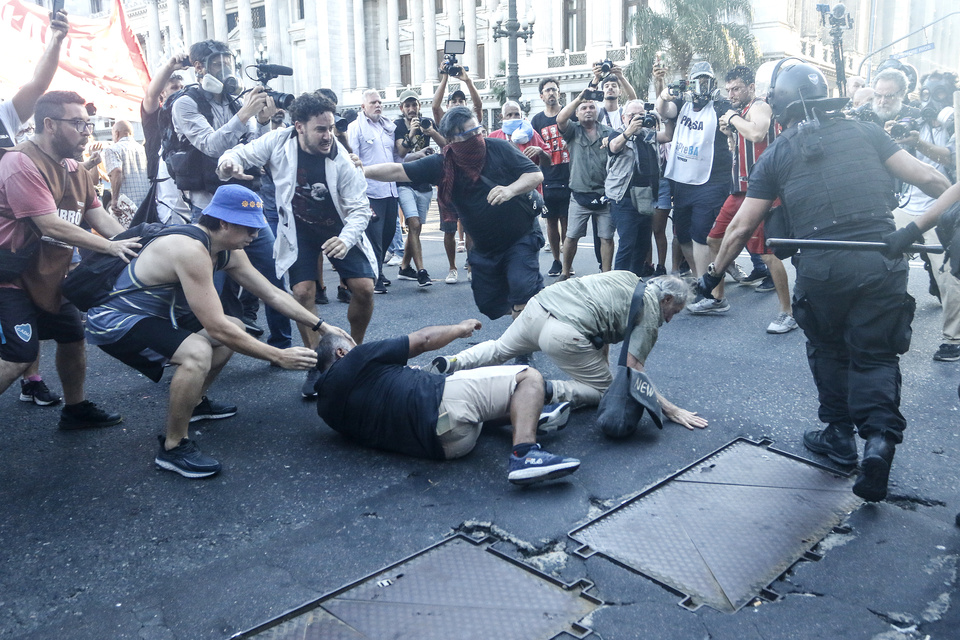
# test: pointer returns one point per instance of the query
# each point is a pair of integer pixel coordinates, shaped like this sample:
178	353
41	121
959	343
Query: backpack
190	168
91	283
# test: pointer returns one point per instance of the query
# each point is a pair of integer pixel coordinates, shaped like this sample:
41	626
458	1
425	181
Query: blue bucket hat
237	204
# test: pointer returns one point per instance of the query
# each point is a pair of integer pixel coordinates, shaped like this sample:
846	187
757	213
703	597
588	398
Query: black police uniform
853	306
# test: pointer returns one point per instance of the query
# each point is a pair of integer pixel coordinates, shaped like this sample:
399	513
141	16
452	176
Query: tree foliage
714	30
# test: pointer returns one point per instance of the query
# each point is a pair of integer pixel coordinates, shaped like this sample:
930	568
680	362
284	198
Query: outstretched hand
469	326
684	418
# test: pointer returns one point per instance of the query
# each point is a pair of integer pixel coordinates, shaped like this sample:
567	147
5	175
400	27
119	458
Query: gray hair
895	75
327	350
511	103
674	286
453	120
369	92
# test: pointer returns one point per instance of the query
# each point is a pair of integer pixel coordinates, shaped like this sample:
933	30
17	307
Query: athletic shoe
646	270
469	276
36	391
736	272
709	305
186	459
452	277
212	410
387	257
766	286
444	365
553	417
384	280
343	294
461	246
423	278
86	415
539	465
684	268
555	269
659	271
321	297
756	276
946	353
395	261
252	327
379	287
407	273
308	390
784	323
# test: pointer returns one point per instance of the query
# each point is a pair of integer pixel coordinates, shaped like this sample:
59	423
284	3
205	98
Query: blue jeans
634	229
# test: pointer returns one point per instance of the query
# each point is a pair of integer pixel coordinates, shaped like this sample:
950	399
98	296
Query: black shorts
509	279
23	325
557	202
309	252
151	342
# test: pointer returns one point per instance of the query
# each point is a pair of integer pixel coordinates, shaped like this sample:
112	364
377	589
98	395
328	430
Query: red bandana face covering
462	161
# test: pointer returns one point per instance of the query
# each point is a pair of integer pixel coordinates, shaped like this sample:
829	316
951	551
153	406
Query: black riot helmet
796	89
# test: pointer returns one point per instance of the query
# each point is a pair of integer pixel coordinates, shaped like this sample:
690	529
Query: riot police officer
832	176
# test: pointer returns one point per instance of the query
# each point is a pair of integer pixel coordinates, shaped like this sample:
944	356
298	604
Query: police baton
847	245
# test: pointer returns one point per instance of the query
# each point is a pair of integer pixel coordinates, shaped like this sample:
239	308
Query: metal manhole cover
721	530
459	588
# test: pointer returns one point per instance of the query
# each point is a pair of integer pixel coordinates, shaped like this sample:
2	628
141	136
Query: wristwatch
712	270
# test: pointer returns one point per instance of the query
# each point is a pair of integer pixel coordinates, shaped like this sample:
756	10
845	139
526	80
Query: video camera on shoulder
266	73
451	66
902	127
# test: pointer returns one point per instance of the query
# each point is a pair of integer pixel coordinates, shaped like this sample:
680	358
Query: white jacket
277	151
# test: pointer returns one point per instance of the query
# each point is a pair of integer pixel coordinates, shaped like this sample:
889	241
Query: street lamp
513	30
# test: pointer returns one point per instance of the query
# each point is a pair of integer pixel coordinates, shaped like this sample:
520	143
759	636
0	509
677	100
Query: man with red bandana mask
506	241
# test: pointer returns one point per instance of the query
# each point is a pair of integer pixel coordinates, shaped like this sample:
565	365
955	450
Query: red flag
99	59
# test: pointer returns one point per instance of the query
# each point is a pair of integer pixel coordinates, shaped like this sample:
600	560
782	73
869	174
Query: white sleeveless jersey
691	158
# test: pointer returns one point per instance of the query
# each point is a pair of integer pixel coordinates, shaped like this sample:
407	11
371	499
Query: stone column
359	45
419	35
336	40
153	35
220	20
285	52
543	27
197	31
470	21
556	16
176	28
248	51
312	46
393	44
615	26
272	28
429	41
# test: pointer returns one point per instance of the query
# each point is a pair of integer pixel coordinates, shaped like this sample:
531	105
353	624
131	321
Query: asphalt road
95	542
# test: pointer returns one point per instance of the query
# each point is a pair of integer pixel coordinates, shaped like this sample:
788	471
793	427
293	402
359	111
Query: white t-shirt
691	158
11	123
613	119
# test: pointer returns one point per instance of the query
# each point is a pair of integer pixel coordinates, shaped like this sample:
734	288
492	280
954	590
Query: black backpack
91	283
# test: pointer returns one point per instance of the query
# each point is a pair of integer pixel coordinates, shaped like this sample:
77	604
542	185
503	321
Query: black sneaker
946	353
379	287
766	285
343	295
553	417
646	270
555	269
756	276
308	390
36	391
252	327
212	410
539	465
86	415
186	459
384	281
407	273
423	278
321	297
660	271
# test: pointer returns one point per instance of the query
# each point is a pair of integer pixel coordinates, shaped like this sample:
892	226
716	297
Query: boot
875	468
837	442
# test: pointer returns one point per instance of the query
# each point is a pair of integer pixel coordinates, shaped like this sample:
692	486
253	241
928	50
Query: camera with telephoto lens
902	128
426	123
343	119
677	89
451	66
649	119
266	73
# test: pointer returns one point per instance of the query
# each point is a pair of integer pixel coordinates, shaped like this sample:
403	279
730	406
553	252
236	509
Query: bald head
122	129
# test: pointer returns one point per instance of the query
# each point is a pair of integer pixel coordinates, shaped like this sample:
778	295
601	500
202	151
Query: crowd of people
253	200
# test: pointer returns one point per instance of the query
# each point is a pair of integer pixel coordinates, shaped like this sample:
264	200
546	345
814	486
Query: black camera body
606	66
593	94
426	123
451	66
266	73
902	128
677	89
650	120
342	120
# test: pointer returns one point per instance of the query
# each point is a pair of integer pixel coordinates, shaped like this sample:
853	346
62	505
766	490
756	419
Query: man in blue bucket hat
164	310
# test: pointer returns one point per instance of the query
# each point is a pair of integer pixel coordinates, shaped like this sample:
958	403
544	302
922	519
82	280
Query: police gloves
900	240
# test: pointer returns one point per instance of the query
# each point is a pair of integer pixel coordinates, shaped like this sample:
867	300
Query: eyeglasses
82	126
469	133
886	96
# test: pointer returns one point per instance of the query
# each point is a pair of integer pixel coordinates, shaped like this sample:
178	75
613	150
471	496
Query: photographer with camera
588	170
609	78
633	182
930	145
413	136
887	108
699	163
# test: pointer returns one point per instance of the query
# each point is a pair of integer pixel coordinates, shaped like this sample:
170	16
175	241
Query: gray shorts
578	216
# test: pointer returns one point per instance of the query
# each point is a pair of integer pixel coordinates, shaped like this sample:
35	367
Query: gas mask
219	76
701	90
934	97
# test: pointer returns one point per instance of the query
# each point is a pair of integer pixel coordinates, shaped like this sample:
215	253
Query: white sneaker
737	273
784	323
394	261
451	277
461	246
469	276
709	305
